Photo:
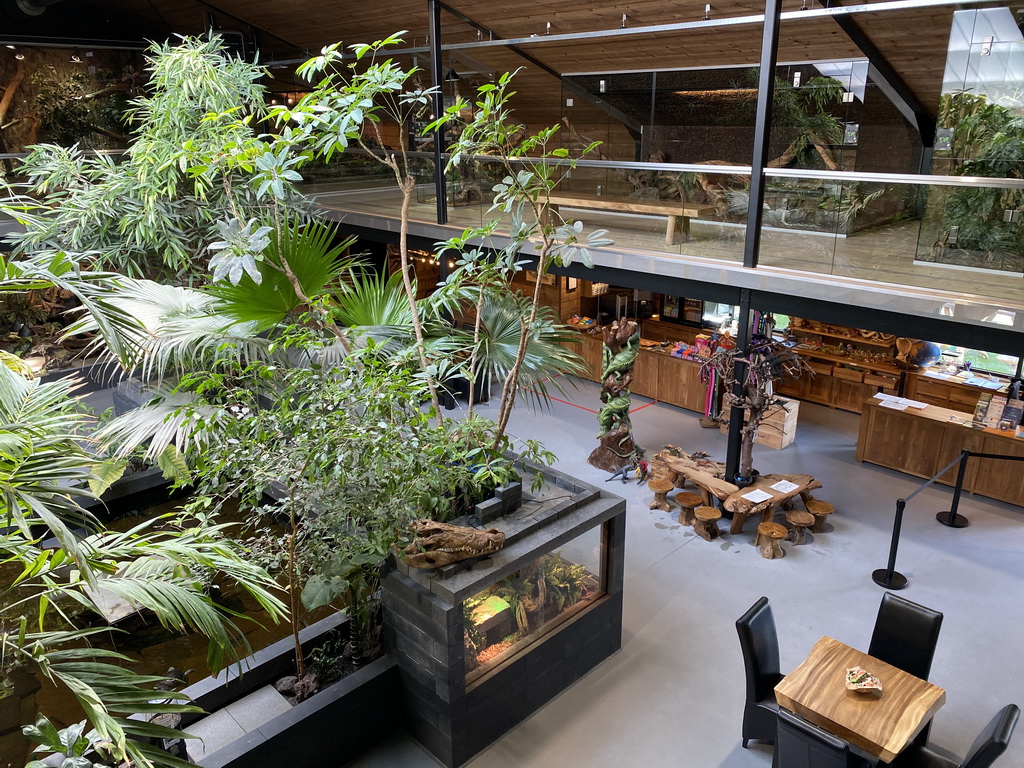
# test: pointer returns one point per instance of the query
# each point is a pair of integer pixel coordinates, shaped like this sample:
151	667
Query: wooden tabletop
880	724
738	502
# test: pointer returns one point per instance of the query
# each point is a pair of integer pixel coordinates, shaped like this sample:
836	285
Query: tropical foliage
155	211
49	612
986	140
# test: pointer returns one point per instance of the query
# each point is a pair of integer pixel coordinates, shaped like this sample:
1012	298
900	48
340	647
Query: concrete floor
673	695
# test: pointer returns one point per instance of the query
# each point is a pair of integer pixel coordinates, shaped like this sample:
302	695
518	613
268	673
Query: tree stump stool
769	537
687	502
801	522
821	510
705	522
661	487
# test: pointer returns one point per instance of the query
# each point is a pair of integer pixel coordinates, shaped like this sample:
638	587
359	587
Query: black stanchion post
888	577
951	518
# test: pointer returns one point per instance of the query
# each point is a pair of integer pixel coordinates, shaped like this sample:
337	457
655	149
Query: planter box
132	494
461	695
331	728
94	375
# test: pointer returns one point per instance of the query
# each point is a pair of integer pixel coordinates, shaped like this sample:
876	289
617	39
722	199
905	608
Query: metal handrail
744	170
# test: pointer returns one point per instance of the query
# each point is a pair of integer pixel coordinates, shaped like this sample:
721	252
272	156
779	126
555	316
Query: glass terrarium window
507	617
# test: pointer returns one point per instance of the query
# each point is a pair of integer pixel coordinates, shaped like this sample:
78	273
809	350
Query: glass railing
948	233
952	233
355	181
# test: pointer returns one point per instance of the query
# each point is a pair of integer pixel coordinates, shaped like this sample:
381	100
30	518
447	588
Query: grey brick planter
423	615
332	728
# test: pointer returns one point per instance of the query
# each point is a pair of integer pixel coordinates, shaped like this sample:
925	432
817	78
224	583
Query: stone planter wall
424	620
331	728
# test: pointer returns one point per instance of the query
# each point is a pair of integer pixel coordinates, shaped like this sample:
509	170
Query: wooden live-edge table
881	725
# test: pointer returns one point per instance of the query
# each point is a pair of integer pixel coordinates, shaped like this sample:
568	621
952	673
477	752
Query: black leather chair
905	636
801	744
989	745
760	646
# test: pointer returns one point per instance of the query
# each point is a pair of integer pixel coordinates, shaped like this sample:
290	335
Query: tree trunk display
618	448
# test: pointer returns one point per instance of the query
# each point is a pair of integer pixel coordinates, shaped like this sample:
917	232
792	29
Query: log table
882	725
743	507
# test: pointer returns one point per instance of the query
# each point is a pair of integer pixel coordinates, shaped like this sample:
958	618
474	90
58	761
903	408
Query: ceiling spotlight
12	47
19	56
76	58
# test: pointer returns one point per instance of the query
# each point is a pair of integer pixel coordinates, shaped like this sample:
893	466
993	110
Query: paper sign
915	403
884	396
935	375
784	486
896	405
757	496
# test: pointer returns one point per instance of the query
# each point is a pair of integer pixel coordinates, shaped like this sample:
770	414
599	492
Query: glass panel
354	181
966	238
964	358
507	617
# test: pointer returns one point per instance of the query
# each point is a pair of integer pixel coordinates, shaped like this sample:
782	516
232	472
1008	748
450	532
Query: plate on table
862	681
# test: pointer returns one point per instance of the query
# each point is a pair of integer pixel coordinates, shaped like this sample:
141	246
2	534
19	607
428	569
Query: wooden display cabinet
841	380
922	442
945	393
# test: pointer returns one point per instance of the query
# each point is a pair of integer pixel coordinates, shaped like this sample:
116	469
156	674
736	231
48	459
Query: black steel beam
737	416
887	78
762	130
633	125
441	188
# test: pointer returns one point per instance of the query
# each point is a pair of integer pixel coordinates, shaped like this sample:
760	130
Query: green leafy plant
193	157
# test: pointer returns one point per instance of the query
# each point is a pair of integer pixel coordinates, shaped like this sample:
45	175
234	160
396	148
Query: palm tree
44	472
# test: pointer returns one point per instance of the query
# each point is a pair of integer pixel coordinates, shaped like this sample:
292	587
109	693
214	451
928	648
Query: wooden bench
678	212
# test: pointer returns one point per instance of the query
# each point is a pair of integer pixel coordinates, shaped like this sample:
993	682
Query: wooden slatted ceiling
308	24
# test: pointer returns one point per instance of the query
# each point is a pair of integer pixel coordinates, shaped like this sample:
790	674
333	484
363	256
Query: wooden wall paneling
645	375
954	441
999	479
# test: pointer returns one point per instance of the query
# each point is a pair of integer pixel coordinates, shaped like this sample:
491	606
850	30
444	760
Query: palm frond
43	467
503	322
167	418
309	250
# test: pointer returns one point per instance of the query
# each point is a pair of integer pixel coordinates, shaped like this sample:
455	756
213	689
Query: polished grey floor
673	695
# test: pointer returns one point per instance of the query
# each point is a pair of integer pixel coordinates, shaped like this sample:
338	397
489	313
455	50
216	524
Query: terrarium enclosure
506	617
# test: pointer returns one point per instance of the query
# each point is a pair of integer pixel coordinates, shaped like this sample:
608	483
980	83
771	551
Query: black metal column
437	81
762	129
736	414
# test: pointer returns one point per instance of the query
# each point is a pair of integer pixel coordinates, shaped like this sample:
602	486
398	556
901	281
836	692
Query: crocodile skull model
438	544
